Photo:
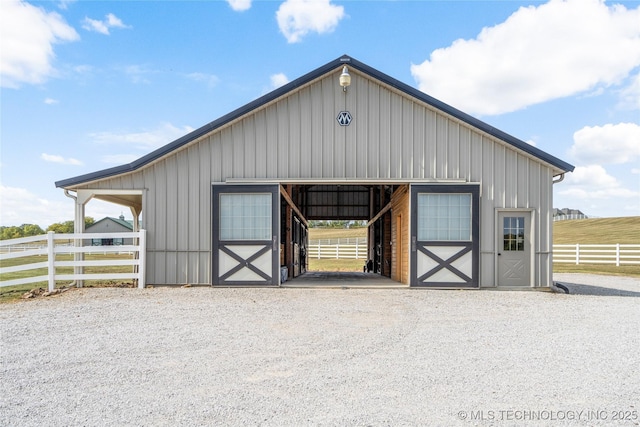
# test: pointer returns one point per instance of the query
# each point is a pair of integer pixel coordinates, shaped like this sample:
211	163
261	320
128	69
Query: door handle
499	254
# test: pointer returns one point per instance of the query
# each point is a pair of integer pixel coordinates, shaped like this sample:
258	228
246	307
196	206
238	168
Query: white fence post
51	259
577	253
617	254
142	258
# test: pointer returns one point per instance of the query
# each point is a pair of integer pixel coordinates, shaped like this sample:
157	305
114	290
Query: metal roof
301	81
122	222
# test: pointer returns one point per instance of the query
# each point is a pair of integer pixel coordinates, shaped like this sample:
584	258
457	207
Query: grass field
597	231
336	264
14	292
336	233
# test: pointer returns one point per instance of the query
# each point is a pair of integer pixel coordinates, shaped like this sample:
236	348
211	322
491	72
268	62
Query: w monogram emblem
344	118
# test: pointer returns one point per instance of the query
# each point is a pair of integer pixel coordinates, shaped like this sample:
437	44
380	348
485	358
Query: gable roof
301	81
121	222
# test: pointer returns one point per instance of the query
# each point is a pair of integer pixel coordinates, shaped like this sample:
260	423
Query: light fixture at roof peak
345	78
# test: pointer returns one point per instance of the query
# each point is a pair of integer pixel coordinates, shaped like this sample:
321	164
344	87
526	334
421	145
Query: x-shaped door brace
242	263
444	263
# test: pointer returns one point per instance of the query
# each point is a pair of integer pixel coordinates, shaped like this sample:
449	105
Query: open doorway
348	229
339	245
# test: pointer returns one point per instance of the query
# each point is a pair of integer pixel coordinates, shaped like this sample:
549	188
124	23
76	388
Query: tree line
337	224
26	230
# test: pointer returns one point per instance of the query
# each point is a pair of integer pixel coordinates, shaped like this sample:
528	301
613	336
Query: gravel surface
274	357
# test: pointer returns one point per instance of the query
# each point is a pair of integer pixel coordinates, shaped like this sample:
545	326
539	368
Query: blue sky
87	85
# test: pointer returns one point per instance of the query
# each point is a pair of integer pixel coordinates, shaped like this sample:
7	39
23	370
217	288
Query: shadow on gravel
576	289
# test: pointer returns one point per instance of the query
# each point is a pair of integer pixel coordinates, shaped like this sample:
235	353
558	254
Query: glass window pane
245	216
513	233
444	217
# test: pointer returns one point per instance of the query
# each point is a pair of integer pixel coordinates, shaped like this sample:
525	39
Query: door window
513	233
444	217
245	216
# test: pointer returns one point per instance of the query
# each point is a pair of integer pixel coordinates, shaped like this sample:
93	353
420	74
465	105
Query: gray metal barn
450	201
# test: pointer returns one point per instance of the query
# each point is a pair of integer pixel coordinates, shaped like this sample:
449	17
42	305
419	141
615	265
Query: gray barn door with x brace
444	235
245	235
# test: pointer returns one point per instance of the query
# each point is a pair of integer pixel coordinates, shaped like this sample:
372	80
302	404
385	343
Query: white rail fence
355	248
45	245
615	254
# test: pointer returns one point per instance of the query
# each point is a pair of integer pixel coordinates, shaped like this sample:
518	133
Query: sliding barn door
444	236
245	235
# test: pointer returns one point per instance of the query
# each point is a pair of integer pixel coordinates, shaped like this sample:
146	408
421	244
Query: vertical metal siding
372	133
391	136
405	162
283	138
293	121
304	142
418	158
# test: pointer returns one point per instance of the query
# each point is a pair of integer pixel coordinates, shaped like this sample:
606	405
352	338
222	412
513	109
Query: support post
51	259
78	228
617	254
142	258
577	253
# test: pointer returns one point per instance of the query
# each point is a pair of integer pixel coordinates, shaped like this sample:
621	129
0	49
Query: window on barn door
245	216
444	217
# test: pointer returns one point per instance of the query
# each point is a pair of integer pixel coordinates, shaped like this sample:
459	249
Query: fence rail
337	249
45	245
618	254
614	254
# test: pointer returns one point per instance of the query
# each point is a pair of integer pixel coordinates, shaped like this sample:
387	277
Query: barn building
451	202
110	225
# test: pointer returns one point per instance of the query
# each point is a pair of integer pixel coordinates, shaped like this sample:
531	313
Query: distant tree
11	232
15	232
67	227
61	227
31	230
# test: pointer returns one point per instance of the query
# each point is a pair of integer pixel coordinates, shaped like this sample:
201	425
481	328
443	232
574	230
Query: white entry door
514	248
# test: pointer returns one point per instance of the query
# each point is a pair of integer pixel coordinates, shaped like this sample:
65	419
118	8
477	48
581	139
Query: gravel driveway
273	357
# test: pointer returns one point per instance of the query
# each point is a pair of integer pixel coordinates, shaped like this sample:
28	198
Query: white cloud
28	34
64	4
144	140
630	95
103	27
635	171
20	206
278	80
593	182
210	80
239	5
138	73
54	158
50	101
608	144
296	18
541	53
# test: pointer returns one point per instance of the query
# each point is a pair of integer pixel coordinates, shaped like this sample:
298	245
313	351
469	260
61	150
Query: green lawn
597	231
14	292
335	264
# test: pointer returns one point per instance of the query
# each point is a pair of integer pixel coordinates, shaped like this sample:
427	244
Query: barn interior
369	202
